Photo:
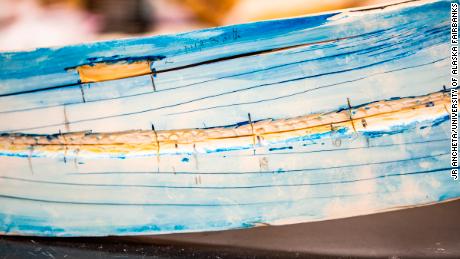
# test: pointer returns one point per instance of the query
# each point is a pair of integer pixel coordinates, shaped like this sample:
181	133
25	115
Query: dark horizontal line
258	172
308	90
41	89
400	29
382	6
208	187
219	205
255	53
179	204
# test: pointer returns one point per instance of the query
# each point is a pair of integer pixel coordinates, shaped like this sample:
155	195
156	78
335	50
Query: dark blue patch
279	171
279	148
402	128
179	227
185	159
247	225
139	229
227	149
440	120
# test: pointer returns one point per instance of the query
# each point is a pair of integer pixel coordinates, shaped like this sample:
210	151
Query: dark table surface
424	232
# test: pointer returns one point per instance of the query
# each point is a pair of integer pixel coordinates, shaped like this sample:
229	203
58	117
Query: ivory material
276	122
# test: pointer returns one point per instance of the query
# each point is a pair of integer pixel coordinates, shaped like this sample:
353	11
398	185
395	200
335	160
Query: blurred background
26	24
